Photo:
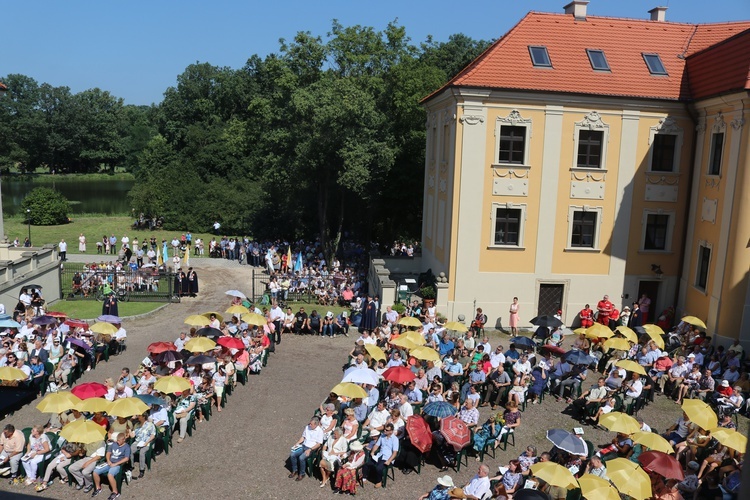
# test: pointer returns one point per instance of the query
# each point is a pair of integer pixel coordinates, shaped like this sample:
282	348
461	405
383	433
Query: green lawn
87	309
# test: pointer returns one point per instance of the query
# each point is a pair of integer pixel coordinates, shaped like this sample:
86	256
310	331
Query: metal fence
144	285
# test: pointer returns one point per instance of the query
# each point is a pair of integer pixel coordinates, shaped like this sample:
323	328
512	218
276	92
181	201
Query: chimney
577	8
658	14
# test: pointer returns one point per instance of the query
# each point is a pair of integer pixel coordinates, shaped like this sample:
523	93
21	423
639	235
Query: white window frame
719	127
670	229
666	126
592	121
572	209
514	119
710	247
521	225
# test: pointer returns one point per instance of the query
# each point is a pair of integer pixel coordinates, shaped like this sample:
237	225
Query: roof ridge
642	20
717	44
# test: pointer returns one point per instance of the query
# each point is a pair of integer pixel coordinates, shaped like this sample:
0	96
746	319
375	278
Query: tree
46	207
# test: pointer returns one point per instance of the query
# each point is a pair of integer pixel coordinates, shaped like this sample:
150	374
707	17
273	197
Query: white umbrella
148	264
361	376
236	293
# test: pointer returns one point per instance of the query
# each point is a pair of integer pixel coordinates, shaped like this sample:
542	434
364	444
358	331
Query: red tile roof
720	69
506	64
2	86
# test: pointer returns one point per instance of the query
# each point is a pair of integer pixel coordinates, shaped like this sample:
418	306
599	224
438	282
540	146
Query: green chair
508	436
312	462
242	376
389	469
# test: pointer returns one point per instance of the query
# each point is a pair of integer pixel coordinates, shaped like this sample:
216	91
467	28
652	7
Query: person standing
513	319
82	243
605	309
63	249
192	277
644	304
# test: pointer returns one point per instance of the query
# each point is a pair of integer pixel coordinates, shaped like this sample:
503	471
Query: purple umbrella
78	342
167	356
108	318
44	320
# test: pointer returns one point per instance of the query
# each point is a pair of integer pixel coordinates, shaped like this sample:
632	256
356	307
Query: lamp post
28	219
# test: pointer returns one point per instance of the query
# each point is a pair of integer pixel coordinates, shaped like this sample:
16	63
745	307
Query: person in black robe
192	277
185	284
110	305
369	315
178	284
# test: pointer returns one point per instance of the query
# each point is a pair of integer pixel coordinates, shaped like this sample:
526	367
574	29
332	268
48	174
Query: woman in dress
334	450
509	481
350	425
512	419
346	478
513	319
36	449
82	243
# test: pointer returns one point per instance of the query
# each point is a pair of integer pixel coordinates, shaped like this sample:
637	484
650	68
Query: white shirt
477	487
277	314
636	388
524	367
63	246
406	410
312	437
180	344
378	418
497	359
487	347
121	334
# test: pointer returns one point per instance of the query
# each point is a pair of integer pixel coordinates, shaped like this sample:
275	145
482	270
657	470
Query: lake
105	196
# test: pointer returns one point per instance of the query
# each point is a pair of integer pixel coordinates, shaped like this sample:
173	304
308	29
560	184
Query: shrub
47	207
399	308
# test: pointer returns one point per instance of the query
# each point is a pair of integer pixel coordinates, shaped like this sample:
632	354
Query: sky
136	49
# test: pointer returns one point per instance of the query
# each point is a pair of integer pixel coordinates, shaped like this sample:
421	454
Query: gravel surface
242	451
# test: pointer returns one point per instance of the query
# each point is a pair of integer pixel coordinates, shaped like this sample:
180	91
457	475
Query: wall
20	267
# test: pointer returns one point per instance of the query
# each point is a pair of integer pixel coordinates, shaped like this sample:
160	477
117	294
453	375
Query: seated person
117	455
477	488
383	454
346	477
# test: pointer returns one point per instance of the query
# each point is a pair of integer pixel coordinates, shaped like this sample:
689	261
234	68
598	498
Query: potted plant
428	295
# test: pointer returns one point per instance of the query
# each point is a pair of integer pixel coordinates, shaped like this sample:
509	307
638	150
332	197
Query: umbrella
44	320
595	488
196	320
375	352
167	356
90	390
361	376
404	342
109	318
597	330
439	409
546	321
410	321
172	385
12	373
73	341
554	474
580	331
238	310
159	347
578	357
617	343
93	405
57	314
731	439
9	323
57	402
456	326
200	360
414	337
150	400
631	366
529	494
617	421
567	441
231	343
254	319
83	431
652	441
76	323
200	344
128	407
236	293
694	321
629	478
209	313
419	433
627	333
523	341
147	265
659	462
455	431
208	331
425	353
700	413
349	390
554	349
104	328
655	333
398	374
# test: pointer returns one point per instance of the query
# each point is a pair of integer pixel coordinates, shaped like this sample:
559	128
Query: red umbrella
158	347
56	314
419	433
554	349
398	374
455	431
76	323
89	390
231	343
662	464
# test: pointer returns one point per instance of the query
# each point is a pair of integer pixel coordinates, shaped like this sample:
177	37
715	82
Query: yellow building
564	164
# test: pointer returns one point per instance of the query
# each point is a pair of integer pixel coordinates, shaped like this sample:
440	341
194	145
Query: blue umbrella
567	441
577	357
44	320
439	409
108	318
9	323
150	400
523	341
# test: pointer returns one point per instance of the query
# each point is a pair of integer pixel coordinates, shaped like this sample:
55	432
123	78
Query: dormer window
655	66
598	60
540	56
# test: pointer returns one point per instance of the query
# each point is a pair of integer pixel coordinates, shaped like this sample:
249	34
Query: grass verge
87	309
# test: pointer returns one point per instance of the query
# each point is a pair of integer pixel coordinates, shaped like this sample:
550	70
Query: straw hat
355	446
446	481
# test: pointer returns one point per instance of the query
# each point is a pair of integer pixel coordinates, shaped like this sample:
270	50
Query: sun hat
355	446
725	383
446	481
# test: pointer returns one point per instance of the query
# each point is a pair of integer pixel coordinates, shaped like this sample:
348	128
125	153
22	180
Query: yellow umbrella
425	353
349	390
694	321
129	407
410	321
700	413
415	338
196	320
171	385
618	343
595	488
629	478
12	373
83	431
58	402
238	310
254	319
597	330
456	326
103	328
554	474
579	331
655	333
627	333
375	352
218	316
652	441
619	422
404	342
200	344
93	405
631	366
731	439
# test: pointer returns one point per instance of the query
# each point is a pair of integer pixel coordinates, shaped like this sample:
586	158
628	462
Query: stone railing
20	267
